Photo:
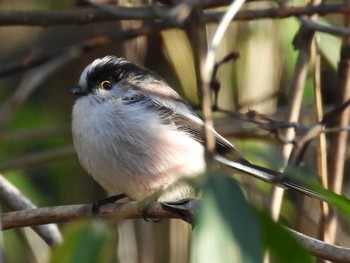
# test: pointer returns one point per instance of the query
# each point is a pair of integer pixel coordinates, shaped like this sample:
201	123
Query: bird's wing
182	117
187	121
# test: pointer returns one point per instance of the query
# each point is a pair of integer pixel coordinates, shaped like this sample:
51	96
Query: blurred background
36	152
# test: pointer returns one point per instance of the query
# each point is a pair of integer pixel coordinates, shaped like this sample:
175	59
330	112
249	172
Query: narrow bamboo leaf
282	246
84	242
227	230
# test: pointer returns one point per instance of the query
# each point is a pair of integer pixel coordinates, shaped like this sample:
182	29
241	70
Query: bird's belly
139	168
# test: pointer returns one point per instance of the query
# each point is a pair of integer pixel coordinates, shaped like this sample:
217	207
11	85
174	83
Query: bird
136	136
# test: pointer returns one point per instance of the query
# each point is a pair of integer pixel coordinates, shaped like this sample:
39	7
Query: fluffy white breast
126	149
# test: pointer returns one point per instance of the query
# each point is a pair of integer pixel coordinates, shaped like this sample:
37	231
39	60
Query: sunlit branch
46	18
155	210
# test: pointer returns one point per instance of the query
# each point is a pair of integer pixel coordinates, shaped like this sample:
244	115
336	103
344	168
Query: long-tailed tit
135	135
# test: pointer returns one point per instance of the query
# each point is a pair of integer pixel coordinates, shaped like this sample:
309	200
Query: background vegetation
292	68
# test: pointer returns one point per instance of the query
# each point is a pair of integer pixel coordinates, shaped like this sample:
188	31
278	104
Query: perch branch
67	213
156	210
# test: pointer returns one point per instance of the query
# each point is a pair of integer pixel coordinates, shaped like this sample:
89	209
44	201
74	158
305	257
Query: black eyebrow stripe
116	71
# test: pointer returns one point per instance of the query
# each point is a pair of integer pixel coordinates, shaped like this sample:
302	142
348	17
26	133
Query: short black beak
77	90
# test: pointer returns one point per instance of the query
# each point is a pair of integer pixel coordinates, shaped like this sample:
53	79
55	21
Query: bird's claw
108	200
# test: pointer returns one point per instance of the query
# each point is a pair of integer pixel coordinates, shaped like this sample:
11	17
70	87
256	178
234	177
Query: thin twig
38	159
13	198
340	139
302	42
35	133
321	147
199	47
321	249
29	84
83	47
208	71
324	28
45	18
180	12
283	12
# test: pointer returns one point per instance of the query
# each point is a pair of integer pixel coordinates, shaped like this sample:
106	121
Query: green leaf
339	201
227	229
304	179
329	46
85	242
282	246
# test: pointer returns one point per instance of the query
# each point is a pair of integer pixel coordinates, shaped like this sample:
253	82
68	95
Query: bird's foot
108	200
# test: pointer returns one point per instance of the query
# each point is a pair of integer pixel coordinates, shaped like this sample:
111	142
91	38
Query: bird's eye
106	84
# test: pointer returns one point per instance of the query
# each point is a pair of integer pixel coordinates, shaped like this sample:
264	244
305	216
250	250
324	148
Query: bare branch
80	48
46	18
67	213
283	12
340	140
207	72
29	84
156	210
14	199
324	28
36	159
321	249
35	133
302	42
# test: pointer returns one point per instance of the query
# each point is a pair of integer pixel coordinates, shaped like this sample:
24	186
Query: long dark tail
270	176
